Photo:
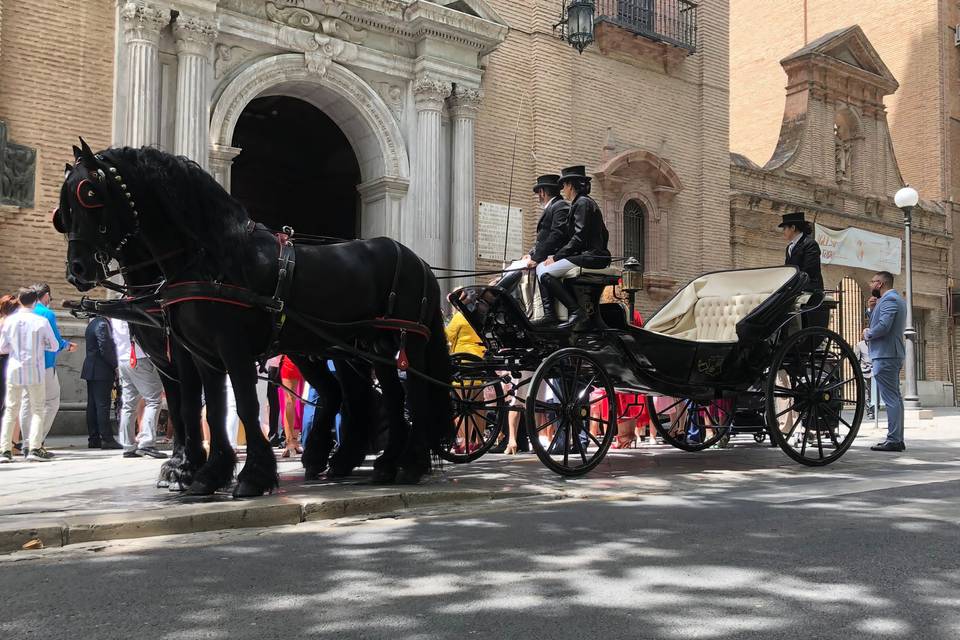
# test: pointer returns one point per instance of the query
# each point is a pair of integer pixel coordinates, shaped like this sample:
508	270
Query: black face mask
875	293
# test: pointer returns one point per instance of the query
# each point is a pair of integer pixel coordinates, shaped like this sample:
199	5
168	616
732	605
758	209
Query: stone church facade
835	161
428	108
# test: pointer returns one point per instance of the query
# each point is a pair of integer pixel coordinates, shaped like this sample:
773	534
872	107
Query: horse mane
187	196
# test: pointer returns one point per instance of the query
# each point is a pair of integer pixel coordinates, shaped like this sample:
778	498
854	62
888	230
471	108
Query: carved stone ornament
429	93
465	101
227	57
318	59
194	35
18	167
330	25
143	21
393	97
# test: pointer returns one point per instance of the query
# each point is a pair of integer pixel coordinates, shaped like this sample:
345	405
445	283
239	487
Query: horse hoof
335	473
313	473
247	489
384	476
408	476
198	488
163	483
177	487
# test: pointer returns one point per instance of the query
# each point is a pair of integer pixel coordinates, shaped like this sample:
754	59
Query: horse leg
394	400
190	407
430	405
356	382
259	472
218	470
319	443
168	470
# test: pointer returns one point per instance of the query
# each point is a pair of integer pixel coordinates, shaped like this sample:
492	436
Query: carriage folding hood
709	308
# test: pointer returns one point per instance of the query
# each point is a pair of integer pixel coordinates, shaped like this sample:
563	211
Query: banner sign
858	248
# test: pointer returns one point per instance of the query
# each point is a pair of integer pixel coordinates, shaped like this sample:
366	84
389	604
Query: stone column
464	104
221	161
142	23
426	228
194	37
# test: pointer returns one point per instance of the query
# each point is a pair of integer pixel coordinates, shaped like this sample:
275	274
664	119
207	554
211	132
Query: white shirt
122	339
25	336
793	244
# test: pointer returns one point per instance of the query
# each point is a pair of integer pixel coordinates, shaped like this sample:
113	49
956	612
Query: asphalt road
697	564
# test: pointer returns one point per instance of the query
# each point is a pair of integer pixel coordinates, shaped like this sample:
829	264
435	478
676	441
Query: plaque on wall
493	230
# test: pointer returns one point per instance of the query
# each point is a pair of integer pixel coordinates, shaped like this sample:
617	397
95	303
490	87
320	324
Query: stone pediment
834	132
476	8
849	47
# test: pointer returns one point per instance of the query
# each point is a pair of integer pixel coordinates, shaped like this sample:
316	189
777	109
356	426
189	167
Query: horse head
98	215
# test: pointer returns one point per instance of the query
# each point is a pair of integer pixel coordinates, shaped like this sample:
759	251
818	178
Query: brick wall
574	105
56	82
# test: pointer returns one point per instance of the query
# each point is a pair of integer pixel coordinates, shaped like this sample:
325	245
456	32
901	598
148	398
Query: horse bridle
103	253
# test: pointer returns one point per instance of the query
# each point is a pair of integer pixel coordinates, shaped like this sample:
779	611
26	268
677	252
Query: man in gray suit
888	319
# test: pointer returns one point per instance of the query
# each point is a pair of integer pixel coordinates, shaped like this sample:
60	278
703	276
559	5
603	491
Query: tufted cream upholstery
709	308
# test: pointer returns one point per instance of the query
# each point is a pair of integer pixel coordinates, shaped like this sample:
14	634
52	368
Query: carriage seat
600	277
709	308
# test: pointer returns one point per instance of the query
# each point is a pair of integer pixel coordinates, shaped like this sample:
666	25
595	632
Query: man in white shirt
26	337
138	379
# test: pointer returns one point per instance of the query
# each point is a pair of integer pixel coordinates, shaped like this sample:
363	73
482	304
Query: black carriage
725	341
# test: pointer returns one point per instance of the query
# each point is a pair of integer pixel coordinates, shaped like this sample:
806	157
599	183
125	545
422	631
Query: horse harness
275	305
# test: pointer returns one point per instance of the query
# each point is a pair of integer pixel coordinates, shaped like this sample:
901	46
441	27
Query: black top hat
794	219
578	172
548	180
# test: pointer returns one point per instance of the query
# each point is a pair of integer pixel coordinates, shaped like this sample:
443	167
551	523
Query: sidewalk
86	495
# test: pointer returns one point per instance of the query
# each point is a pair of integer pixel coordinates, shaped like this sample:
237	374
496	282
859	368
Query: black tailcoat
553	229
587	246
806	257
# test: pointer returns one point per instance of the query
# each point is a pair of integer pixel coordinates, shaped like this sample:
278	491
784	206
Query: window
919	323
634	223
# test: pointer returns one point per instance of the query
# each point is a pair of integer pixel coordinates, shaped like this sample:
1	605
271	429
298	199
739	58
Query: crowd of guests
29	343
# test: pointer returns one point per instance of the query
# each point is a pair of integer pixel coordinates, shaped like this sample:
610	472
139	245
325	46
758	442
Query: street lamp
576	23
906	199
631	281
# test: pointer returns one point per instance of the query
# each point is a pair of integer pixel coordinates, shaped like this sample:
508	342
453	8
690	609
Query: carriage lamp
576	23
906	199
631	282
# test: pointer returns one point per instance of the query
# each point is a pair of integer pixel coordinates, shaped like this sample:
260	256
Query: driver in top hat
552	229
803	252
586	247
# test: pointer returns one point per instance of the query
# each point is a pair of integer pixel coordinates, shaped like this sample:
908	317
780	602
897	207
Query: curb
263	512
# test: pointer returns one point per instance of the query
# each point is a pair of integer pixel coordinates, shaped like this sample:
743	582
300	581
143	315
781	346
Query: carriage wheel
479	411
563	402
693	426
814	396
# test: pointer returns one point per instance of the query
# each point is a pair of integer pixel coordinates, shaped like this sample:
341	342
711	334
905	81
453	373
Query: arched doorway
296	168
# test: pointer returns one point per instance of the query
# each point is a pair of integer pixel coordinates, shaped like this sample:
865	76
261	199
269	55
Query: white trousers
141	381
32	423
556	267
51	405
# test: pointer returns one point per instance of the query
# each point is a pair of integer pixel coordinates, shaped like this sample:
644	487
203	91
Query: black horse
228	300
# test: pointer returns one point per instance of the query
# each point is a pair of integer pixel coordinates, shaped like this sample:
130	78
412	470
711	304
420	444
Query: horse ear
76	152
85	149
67	169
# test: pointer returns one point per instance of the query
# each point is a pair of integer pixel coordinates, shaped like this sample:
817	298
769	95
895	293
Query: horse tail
437	366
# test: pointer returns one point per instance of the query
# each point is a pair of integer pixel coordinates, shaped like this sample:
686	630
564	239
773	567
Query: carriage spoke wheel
814	396
479	411
691	425
571	412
